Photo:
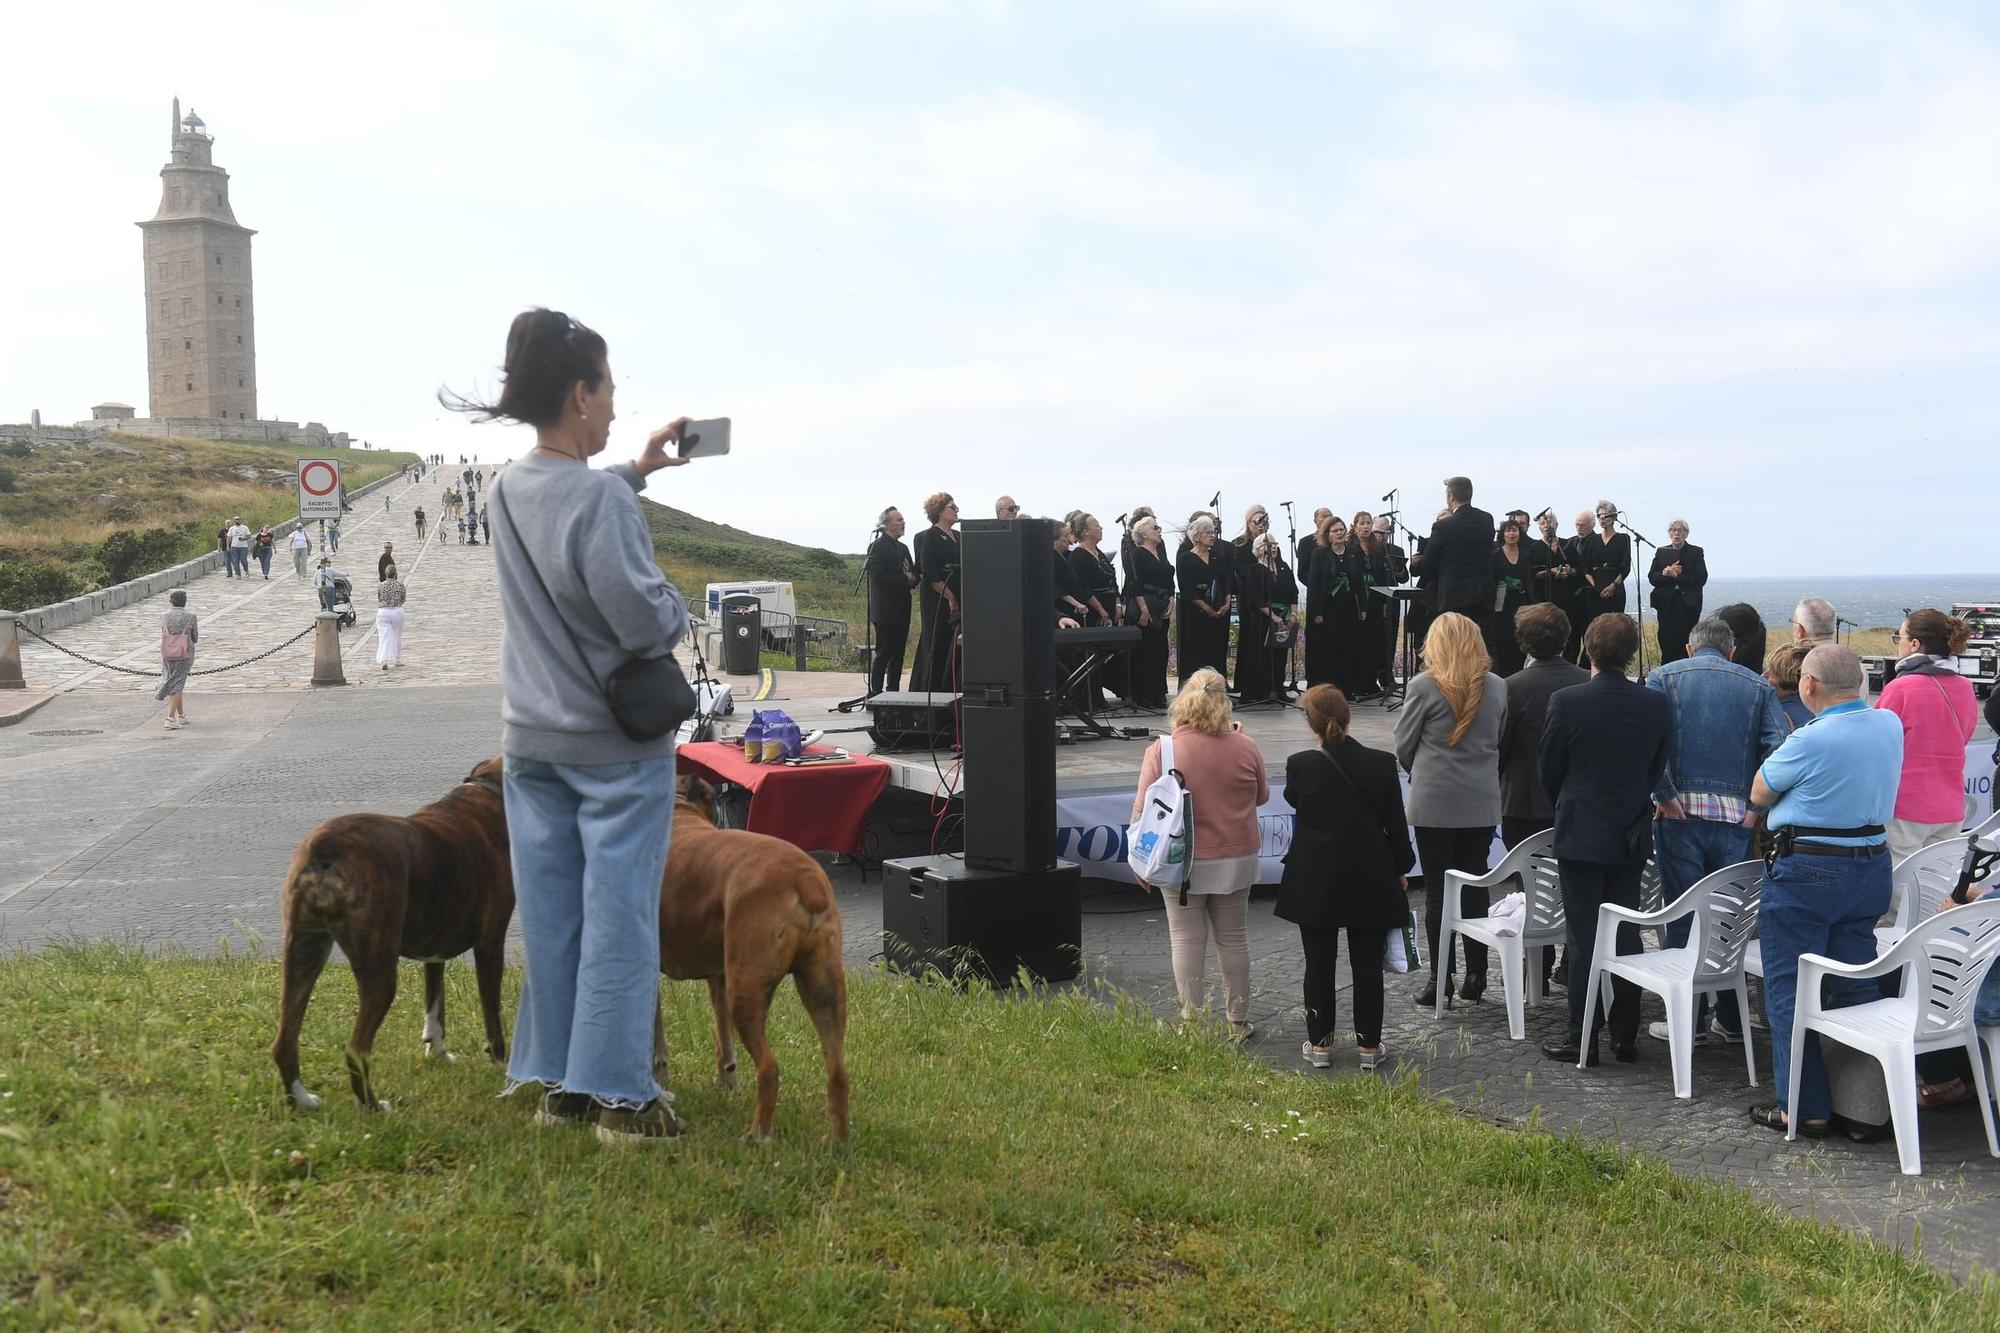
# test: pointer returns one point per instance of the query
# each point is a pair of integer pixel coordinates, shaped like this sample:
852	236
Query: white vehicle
780	607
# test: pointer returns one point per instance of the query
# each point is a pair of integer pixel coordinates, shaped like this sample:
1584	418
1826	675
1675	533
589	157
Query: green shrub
126	554
6	480
30	583
16	449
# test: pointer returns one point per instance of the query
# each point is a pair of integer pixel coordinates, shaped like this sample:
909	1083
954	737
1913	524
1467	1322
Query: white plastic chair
1533	863
1943	961
1921	880
1724	904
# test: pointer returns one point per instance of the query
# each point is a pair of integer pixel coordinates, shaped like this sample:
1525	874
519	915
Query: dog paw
436	1051
754	1137
302	1099
381	1106
727	1078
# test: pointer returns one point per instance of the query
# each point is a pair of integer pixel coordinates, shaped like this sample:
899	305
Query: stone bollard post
10	654
326	650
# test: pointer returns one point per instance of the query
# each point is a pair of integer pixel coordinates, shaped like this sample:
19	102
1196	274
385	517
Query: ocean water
1872	601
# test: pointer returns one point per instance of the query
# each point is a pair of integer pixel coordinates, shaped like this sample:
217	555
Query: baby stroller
343	601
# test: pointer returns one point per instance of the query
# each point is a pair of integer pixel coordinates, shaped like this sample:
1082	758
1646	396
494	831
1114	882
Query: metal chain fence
135	671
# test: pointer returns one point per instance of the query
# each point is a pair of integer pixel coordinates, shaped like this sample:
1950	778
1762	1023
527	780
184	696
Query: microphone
1547	512
1385	499
1120	520
1215	501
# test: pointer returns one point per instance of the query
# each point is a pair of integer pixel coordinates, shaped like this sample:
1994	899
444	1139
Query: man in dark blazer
1602	751
1542	630
1459	555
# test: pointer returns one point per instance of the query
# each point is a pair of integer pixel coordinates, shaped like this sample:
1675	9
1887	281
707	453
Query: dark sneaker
559	1109
655	1124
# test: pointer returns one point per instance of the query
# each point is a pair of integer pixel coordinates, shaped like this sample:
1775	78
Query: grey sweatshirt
583	527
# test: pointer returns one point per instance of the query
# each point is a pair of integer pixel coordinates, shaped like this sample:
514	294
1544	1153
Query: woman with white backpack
178	636
1222	773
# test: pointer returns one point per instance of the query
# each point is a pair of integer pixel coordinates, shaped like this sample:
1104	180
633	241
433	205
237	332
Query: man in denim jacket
1726	722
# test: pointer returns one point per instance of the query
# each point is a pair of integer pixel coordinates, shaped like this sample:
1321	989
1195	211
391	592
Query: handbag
174	647
1282	636
648	696
1159	847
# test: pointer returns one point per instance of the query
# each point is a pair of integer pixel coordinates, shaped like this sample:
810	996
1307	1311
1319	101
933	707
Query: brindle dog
384	887
743	910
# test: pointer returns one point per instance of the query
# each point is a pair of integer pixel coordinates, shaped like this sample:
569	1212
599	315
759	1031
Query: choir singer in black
937	596
891	575
1206	600
1679	573
1606	556
1149	601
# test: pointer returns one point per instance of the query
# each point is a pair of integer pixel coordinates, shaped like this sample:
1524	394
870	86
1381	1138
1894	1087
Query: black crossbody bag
648	696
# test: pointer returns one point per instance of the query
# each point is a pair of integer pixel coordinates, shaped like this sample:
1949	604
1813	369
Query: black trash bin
742	633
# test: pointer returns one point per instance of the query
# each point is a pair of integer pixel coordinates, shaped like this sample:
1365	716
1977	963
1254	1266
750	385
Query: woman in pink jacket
1939	714
1223	772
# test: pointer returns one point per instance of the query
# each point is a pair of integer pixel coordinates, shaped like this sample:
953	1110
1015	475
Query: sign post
319	489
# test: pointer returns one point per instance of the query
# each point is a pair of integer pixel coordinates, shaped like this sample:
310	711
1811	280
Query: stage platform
1092	765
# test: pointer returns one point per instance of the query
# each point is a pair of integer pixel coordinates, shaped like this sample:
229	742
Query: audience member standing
1542	630
1751	636
1224	774
1939	713
891	574
1347	869
1726	722
1831	790
1448	740
1781	671
178	635
389	596
1814	622
1602	753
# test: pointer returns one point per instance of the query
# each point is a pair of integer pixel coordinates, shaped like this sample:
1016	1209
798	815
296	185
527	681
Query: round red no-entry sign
318	478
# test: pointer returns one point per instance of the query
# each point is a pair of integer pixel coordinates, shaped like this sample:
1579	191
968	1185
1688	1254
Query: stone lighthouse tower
201	345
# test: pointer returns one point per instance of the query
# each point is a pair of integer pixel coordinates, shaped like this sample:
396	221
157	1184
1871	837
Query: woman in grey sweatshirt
588	809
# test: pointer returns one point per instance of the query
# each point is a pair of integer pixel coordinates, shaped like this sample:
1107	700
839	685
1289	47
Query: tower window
161	268
186	302
218	261
239	340
239	381
187	344
190	385
239	303
184	268
218	298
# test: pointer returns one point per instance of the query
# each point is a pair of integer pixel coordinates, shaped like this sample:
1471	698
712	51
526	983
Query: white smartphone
703	439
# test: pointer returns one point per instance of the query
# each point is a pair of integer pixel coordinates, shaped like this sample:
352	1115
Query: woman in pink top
1223	772
1939	713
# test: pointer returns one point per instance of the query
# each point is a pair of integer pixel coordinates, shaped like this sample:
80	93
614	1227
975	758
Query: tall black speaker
1007	679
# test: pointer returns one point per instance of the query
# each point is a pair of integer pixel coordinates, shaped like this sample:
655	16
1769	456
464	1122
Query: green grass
1054	1163
80	516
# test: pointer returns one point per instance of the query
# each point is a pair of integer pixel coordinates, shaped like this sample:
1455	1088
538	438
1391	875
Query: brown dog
742	910
384	887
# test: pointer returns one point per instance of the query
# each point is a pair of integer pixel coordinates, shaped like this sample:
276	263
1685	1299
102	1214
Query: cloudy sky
1736	262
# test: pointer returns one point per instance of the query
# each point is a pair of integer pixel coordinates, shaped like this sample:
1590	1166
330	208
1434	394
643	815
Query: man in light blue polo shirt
1831	788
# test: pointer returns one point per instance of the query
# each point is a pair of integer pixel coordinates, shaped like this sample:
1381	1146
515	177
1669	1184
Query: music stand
1411	598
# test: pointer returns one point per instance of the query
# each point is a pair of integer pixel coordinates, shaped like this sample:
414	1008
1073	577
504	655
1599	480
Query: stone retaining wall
62	615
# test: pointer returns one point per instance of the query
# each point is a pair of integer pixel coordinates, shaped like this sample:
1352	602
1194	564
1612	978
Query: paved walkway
451	629
116	828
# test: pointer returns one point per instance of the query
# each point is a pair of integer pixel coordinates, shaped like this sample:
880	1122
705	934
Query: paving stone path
114	828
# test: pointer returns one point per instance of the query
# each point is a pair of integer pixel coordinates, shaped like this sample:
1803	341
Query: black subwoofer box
939	912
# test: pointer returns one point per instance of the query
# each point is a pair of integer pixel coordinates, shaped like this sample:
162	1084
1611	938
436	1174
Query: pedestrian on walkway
385	561
461	532
301	546
239	547
222	545
264	543
1347	868
485	528
329	592
584	800
420	523
178	635
389	595
1224	773
333	536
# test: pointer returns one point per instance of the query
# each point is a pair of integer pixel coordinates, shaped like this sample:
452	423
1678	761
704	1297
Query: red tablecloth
822	808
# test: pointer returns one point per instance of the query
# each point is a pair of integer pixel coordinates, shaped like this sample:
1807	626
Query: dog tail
316	889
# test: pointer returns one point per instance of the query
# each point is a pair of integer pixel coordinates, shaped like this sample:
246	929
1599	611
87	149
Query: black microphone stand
1292	550
867	636
1838	621
1639	539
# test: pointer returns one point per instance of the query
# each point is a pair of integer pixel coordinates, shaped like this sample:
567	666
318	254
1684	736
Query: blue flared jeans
589	846
1826	905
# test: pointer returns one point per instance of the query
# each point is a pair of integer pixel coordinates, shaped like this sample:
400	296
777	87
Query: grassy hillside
696	552
75	517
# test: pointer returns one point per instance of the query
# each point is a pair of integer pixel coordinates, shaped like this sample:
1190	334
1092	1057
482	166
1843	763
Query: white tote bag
1159	845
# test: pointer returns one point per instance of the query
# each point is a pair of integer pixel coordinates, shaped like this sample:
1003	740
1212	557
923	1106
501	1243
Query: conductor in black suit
1602	751
1679	573
1459	555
